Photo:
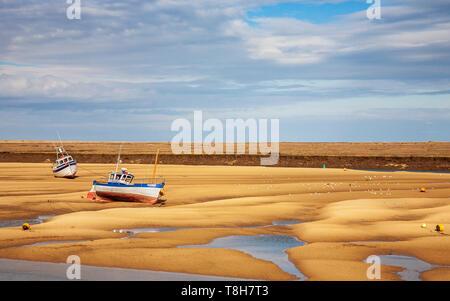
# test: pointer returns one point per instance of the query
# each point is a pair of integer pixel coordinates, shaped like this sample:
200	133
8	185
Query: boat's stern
92	195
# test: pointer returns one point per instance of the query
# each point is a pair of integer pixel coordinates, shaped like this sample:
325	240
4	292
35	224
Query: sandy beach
346	215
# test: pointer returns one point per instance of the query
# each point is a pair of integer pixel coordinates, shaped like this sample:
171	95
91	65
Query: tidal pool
135	231
20	222
42	243
412	266
267	247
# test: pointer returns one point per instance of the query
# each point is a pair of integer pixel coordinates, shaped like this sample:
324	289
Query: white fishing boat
65	166
121	186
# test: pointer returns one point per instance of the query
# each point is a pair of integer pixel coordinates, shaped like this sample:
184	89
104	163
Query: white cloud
181	55
295	42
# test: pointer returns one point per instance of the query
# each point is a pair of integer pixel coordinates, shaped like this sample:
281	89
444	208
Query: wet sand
351	215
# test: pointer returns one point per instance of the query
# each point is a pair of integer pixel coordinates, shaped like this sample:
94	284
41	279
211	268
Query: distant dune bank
424	156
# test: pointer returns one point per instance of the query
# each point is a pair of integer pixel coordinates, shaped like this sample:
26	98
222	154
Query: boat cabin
62	157
63	160
123	178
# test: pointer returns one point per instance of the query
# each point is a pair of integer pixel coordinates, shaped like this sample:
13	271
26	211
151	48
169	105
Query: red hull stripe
126	197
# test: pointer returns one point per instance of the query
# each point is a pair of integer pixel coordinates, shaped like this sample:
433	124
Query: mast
57	150
154	168
118	158
60	149
59	137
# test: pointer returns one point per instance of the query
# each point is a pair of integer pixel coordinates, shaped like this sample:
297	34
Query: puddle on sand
135	231
20	222
267	247
412	266
45	217
42	243
287	223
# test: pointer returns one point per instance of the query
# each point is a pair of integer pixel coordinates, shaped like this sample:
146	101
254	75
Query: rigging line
59	137
90	171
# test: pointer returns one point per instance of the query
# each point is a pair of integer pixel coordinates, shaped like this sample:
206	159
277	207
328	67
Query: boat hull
65	171
125	193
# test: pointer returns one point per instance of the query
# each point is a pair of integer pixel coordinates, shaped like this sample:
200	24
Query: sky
126	70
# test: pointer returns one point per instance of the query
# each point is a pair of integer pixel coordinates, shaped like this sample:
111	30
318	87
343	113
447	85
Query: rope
95	173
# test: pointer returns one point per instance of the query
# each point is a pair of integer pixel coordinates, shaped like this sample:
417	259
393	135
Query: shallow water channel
20	222
134	231
24	270
412	266
267	247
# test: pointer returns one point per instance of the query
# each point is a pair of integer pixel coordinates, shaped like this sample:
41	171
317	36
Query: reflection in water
23	270
135	231
412	266
42	243
286	223
20	222
267	247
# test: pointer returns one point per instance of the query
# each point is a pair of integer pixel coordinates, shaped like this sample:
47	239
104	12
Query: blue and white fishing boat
121	186
65	166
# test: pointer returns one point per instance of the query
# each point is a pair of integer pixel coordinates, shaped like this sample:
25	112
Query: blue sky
127	70
314	11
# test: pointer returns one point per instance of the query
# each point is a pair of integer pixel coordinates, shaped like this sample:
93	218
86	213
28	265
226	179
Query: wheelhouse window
126	178
121	178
